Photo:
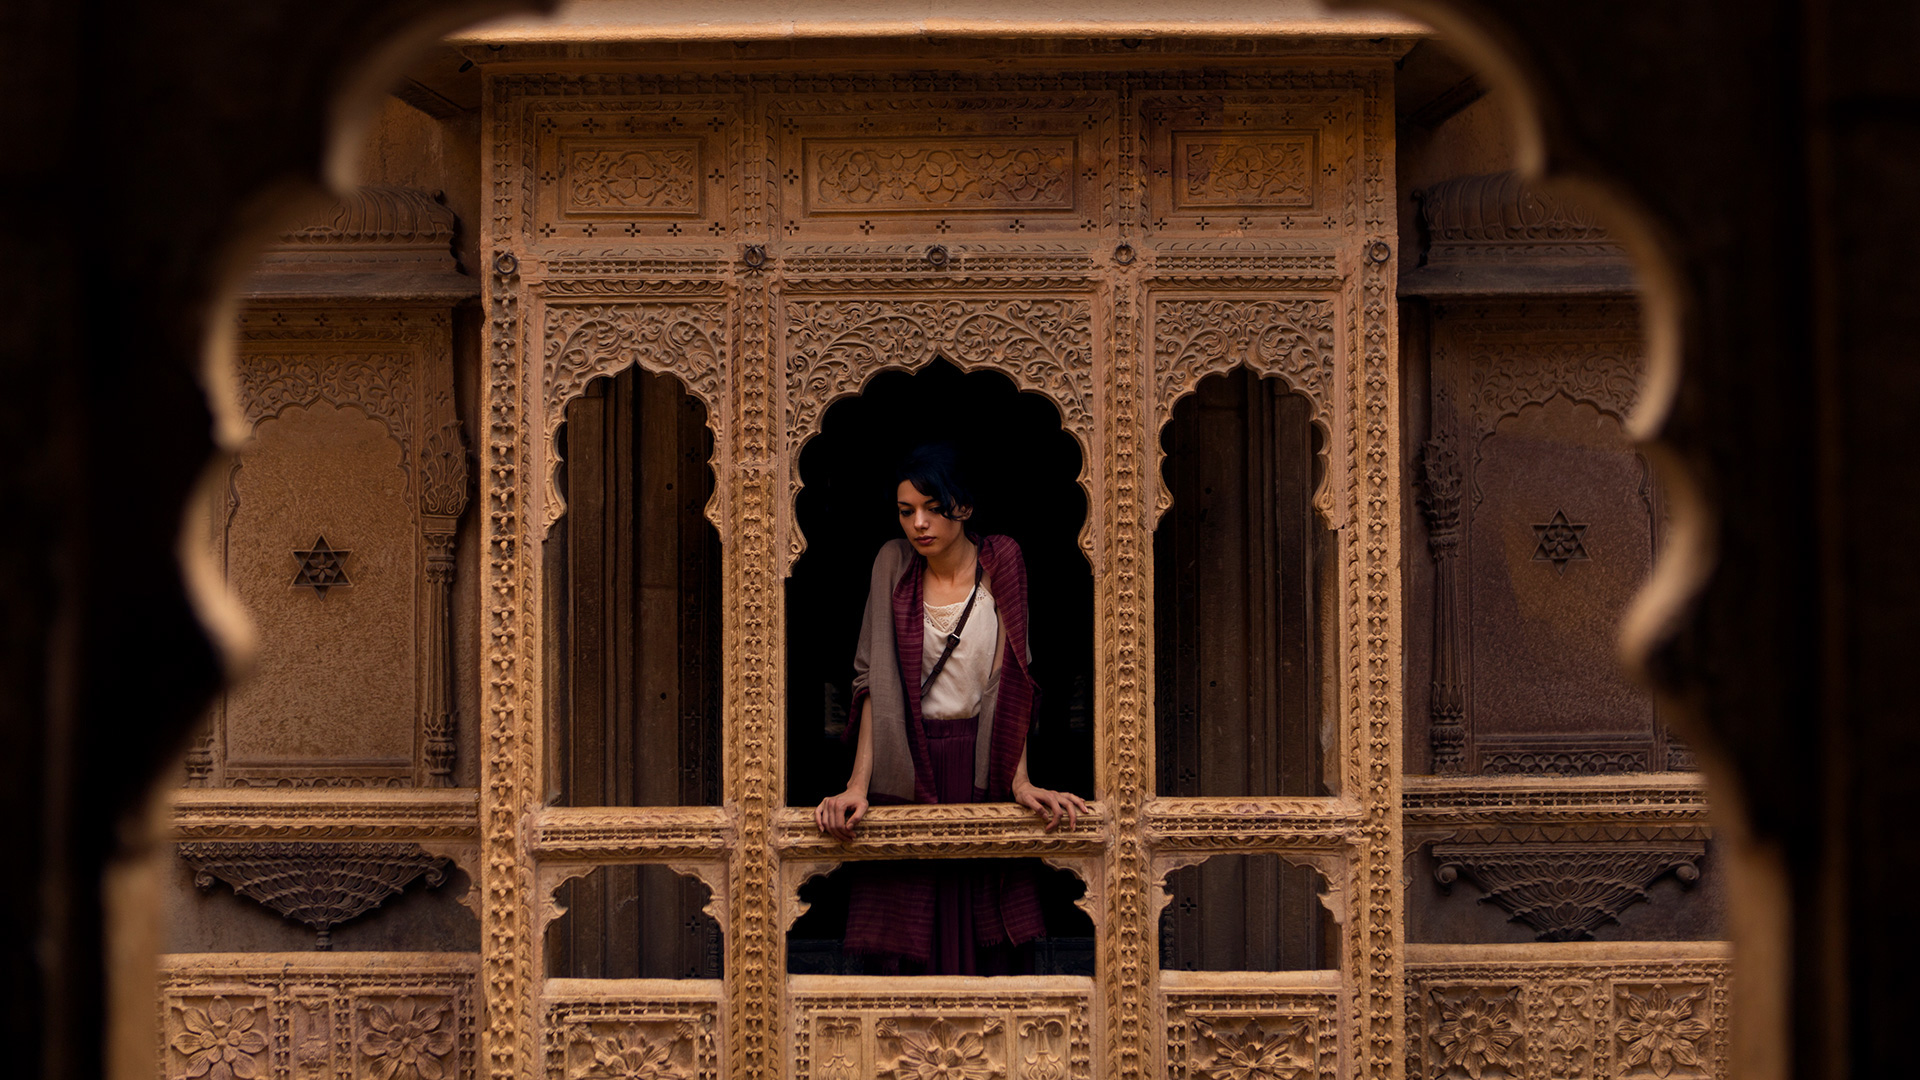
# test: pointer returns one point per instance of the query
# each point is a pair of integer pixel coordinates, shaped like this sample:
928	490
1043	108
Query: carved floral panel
368	1016
606	1035
1035	1030
871	167
632	171
1230	165
1601	1013
950	174
625	178
1244	169
1245	1033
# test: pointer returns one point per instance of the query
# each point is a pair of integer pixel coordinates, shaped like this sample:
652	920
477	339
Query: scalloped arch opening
1248	912
634	921
816	942
1025	470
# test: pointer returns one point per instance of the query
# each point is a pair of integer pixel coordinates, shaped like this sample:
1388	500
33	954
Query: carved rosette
605	1037
320	884
1485	1011
1228	1034
995	1034
301	1017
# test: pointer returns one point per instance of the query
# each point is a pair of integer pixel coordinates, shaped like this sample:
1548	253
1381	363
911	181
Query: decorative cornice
376	242
241	814
1476	216
631	832
1440	806
1496	234
379	216
1247	825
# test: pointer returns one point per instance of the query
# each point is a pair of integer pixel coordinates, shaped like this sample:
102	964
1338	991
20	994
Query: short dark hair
934	470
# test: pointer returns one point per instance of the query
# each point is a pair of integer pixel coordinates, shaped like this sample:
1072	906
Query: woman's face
930	531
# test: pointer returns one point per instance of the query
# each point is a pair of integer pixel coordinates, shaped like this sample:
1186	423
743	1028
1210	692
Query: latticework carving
319	884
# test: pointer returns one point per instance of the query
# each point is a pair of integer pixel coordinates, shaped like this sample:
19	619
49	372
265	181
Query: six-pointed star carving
1561	542
321	568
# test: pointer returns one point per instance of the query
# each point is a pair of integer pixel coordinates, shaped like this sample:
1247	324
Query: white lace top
956	694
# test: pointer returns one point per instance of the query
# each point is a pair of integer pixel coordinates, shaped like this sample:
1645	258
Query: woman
942	701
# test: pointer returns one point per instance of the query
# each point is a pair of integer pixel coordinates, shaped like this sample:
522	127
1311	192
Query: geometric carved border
1607	1012
298	1016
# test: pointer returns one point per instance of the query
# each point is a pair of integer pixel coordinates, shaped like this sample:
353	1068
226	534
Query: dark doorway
1242	580
633	609
633	922
1247	913
1024	469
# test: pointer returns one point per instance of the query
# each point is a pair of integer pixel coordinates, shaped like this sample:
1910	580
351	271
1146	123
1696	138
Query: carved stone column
443	497
1441	501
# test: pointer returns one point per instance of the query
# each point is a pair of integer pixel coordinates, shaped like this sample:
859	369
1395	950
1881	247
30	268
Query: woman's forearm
863	751
1020	772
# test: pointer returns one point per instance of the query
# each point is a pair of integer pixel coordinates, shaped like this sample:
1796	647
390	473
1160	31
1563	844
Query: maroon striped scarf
1013	706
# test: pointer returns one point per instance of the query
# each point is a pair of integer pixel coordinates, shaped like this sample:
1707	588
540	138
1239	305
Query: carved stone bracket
319	884
1566	891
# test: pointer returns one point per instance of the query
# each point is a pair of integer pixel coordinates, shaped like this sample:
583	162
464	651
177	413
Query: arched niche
835	347
1024	466
587	341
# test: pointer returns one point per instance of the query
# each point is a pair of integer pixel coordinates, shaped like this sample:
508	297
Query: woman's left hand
1051	804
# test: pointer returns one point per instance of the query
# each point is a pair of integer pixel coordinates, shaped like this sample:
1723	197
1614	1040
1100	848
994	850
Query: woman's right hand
838	814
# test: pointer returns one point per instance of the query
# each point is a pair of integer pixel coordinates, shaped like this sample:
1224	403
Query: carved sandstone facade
1106	234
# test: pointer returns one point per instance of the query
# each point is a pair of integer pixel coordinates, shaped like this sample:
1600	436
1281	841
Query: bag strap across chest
953	639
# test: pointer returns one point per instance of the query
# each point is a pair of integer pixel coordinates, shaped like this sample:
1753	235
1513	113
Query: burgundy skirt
946	916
